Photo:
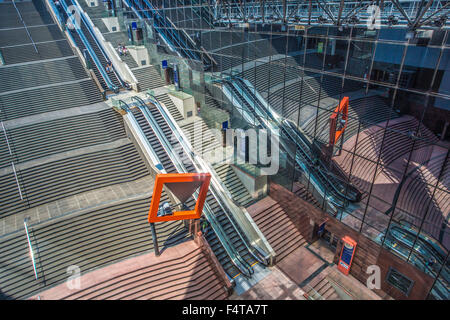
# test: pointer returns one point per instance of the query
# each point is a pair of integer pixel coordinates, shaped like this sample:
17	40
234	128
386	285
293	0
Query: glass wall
387	176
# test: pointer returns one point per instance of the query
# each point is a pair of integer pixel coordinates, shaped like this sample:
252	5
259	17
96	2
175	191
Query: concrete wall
256	186
92	3
139	54
111	23
185	104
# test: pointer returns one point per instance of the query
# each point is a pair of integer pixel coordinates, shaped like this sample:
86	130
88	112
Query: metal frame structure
412	13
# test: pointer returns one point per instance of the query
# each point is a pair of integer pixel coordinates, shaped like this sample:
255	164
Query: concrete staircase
90	239
33	12
51	137
41	73
300	191
183	272
148	78
19	104
62	178
165	100
233	184
320	288
276	225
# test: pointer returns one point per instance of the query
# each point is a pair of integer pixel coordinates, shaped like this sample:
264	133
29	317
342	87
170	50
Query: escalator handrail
420	263
302	164
215	181
87	45
230	250
87	23
431	239
300	137
169	43
331	180
169	28
427	246
59	18
306	143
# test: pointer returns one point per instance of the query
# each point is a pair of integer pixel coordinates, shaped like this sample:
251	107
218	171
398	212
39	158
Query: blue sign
164	64
347	253
225	125
134	25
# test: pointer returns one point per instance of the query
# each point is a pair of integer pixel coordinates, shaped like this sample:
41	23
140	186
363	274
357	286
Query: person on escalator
109	67
119	49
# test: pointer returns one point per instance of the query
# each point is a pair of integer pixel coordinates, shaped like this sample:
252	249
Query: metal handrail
231	251
59	18
30	247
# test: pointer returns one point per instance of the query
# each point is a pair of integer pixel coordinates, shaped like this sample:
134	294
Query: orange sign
182	185
347	254
342	108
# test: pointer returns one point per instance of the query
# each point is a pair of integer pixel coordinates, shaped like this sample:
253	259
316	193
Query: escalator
338	194
85	40
176	39
227	241
427	255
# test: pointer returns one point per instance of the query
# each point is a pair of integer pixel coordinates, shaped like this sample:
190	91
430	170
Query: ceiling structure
414	14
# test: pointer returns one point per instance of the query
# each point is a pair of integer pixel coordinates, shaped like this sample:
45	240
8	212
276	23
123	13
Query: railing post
30	247
155	240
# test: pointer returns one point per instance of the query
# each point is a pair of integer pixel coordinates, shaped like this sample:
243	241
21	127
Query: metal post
31	248
155	240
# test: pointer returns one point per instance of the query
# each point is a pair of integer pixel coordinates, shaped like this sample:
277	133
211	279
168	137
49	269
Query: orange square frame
163	178
341	108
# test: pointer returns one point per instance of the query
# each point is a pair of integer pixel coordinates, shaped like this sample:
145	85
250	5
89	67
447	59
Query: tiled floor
301	265
275	286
